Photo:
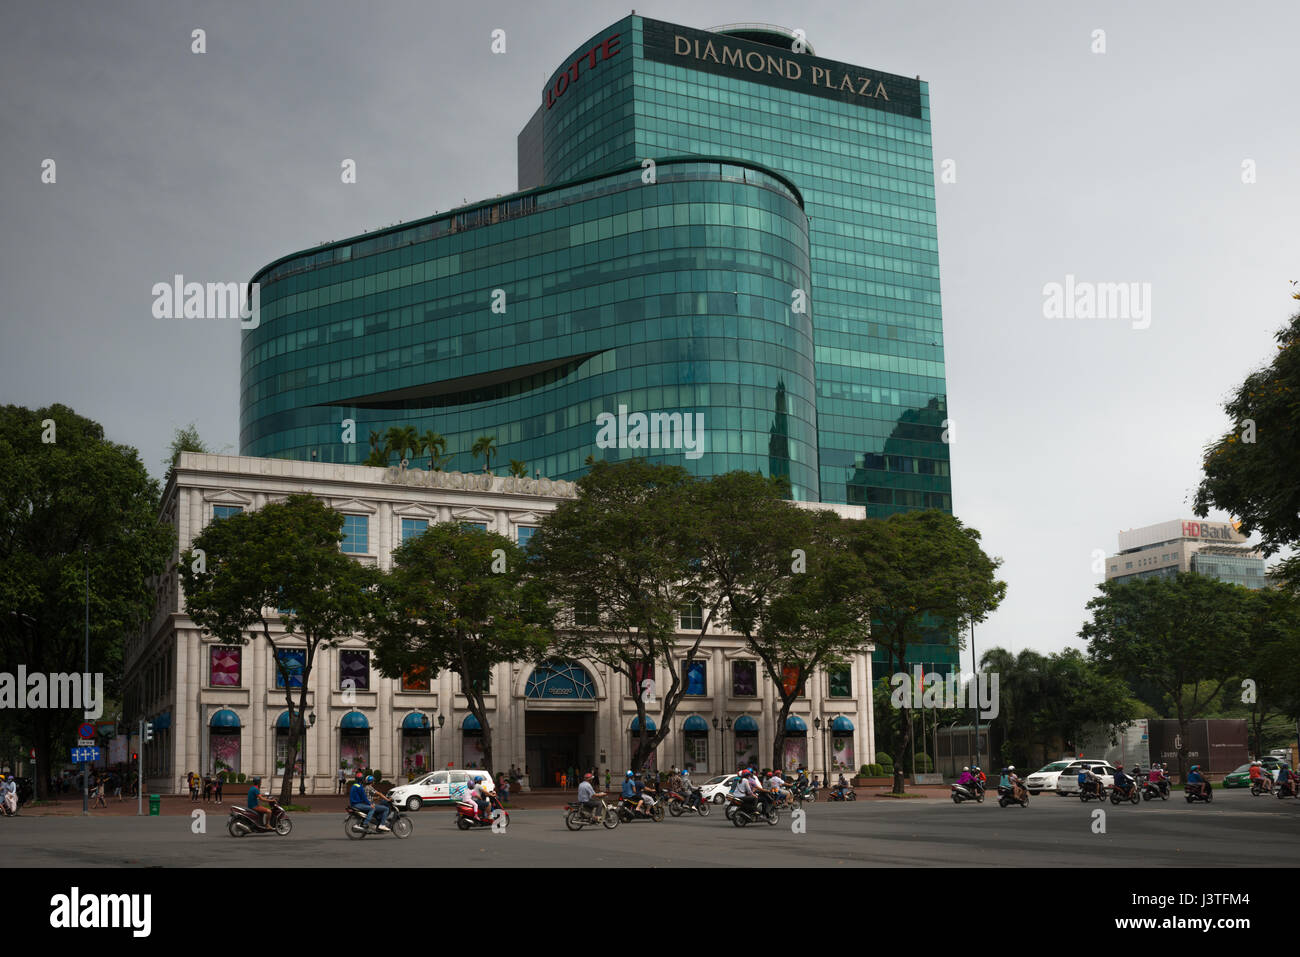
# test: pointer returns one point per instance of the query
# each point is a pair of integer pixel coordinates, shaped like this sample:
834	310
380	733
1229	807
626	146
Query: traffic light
148	731
135	756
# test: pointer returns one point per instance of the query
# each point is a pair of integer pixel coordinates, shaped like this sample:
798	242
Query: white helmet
965	769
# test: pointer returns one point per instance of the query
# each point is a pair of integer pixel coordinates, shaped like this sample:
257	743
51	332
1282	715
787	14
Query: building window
691	617
356	534
695	675
293	661
585	615
841	681
643	677
744	679
354	666
225	511
412	527
417	679
223	666
480	526
525	535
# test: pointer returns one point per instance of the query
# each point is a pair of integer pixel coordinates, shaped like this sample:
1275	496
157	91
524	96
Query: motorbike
679	804
1118	794
740	815
468	816
1007	796
1152	790
244	821
576	818
971	791
803	792
354	824
1286	788
1204	794
1260	786
842	794
1086	793
627	811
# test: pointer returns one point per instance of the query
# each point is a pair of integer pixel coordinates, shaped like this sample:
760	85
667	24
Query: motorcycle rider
1196	782
1122	780
1017	790
1285	779
479	794
777	784
587	794
377	797
1093	782
359	799
9	795
1257	776
629	793
257	802
647	791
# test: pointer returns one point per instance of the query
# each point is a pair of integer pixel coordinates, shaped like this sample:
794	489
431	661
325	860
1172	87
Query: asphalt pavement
1236	830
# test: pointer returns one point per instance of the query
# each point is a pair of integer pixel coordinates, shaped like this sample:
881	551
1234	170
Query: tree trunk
904	716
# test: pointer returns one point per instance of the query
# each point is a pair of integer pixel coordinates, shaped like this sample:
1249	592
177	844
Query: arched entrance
559	723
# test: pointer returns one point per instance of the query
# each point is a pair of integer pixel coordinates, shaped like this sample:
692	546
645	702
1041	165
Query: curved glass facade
529	317
856	142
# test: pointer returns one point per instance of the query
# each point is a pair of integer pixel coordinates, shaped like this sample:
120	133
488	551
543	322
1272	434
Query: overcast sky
1122	166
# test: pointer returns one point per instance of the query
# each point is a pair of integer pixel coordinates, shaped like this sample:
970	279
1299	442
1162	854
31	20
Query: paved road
1050	832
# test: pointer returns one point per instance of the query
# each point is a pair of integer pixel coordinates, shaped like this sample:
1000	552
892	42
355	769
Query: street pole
975	667
139	774
85	772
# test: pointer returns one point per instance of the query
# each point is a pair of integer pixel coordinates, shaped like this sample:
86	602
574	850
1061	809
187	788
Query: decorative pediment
227	497
352	505
472	515
414	510
526	518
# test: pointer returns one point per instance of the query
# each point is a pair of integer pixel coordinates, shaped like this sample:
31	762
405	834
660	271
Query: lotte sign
570	75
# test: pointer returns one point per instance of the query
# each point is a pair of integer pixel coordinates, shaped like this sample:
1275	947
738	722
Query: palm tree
401	440
436	445
378	454
518	469
486	446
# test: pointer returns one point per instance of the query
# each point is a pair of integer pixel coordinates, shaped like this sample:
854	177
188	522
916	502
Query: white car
1068	780
1044	779
440	787
715	788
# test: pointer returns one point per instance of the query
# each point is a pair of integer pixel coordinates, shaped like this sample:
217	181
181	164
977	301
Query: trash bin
155	804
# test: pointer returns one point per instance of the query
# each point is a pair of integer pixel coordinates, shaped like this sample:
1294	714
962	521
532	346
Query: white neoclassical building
215	706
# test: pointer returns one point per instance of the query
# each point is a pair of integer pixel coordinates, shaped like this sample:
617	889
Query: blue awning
841	724
636	724
795	723
354	720
470	724
283	720
746	725
415	722
695	723
225	718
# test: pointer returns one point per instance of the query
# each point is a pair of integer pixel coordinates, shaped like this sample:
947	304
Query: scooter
627	811
740	815
1286	789
842	794
1087	793
244	821
576	818
354	825
1007	796
970	791
1203	794
679	804
1151	790
1118	794
468	816
1260	786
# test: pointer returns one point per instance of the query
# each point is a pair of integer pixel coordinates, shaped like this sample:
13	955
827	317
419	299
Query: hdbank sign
1213	532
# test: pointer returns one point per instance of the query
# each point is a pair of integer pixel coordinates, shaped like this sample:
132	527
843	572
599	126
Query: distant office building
1214	549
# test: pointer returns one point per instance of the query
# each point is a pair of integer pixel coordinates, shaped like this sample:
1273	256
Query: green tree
402	440
518	469
71	498
279	565
486	446
462	600
378	451
436	446
1253	471
1268	682
617	563
184	440
927	570
1172	632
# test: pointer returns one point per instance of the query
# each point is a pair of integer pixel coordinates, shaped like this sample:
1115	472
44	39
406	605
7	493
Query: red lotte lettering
606	49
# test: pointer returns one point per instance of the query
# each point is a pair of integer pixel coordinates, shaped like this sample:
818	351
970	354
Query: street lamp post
721	763
302	777
975	667
817	726
85	772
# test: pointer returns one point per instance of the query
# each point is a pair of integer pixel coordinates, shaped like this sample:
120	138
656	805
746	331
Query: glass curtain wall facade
856	142
528	317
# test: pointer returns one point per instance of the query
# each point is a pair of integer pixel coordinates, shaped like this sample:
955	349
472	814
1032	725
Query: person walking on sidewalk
217	787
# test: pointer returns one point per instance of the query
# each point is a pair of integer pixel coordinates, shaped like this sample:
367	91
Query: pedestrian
207	788
217	786
607	779
342	781
117	787
97	792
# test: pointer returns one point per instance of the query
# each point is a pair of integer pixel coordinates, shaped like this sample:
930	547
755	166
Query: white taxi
439	787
